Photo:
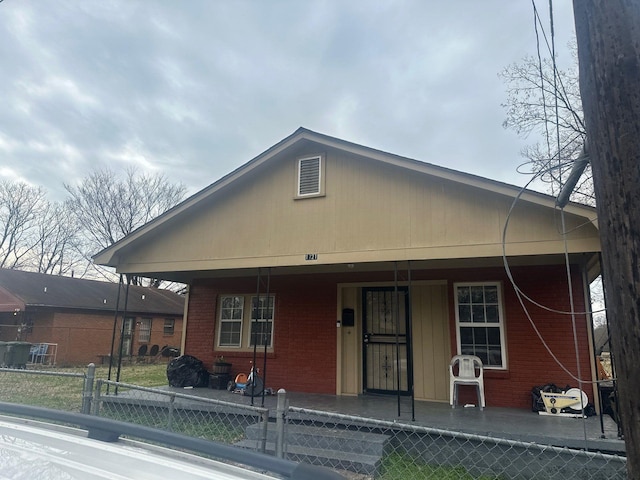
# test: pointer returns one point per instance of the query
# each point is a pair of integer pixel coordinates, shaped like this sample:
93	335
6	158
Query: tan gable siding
380	207
388	208
431	342
371	211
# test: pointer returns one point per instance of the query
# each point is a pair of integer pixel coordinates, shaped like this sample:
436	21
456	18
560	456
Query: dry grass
65	392
145	375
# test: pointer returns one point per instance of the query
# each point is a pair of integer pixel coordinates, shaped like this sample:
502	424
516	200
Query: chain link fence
66	391
390	450
199	417
361	448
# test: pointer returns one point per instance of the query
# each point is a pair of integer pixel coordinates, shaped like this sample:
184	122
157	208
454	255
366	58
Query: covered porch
592	433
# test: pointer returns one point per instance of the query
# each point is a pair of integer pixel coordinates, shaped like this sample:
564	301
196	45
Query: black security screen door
385	340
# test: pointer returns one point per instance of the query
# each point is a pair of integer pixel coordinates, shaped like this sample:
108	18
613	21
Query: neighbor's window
310	176
169	326
144	330
261	321
231	313
479	322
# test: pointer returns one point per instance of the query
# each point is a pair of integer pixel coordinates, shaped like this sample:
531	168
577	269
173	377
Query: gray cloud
194	89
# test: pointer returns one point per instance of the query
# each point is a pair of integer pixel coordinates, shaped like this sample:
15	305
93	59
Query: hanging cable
506	263
562	217
536	19
520	294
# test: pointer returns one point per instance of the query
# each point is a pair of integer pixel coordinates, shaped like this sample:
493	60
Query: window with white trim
310	176
144	330
243	321
230	325
261	321
480	323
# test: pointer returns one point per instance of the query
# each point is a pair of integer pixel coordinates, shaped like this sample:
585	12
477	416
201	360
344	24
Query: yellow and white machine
566	404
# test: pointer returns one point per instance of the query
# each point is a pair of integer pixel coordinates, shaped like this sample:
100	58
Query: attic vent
309	170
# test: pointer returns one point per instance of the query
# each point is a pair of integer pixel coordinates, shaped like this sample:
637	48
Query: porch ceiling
592	261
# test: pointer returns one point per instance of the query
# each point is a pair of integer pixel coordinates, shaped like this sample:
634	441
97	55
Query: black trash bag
187	371
612	401
589	410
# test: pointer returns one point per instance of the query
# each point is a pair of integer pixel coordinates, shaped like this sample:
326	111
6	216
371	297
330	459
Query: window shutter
309	176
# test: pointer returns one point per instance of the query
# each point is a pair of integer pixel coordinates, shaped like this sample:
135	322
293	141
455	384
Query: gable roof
304	138
30	289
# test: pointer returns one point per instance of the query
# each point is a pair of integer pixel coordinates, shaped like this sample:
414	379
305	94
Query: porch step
359	452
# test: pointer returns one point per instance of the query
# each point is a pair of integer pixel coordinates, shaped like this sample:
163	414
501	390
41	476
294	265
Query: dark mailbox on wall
348	317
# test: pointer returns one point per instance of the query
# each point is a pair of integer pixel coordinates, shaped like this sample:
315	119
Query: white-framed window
169	326
310	176
230	325
243	321
480	322
261	321
144	330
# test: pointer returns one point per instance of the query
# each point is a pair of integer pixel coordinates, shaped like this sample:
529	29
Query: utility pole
608	35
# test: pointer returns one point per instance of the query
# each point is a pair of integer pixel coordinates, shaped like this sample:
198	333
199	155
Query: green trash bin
3	353
17	354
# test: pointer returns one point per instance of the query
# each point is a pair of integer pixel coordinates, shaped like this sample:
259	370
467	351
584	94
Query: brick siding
529	363
304	353
83	336
304	357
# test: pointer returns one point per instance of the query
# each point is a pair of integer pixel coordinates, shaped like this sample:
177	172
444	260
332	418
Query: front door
385	320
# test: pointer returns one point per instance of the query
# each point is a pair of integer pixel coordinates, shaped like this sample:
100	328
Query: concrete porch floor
508	423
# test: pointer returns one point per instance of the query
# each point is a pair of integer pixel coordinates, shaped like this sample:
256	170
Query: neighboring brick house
77	315
358	271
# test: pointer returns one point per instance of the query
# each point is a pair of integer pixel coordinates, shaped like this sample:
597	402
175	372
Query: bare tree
542	103
108	207
20	205
56	241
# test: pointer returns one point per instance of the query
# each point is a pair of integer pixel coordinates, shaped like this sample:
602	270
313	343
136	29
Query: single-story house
356	271
75	317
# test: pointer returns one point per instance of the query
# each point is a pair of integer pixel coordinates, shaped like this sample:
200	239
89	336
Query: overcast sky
195	88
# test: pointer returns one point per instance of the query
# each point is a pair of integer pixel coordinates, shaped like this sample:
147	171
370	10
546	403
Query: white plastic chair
467	365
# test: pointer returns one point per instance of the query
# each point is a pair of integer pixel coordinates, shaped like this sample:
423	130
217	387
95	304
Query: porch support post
396	313
576	343
612	354
115	326
595	380
410	345
124	317
264	340
252	334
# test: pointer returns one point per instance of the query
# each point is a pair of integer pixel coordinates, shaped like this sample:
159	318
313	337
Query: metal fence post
281	414
87	389
265	431
172	400
97	400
